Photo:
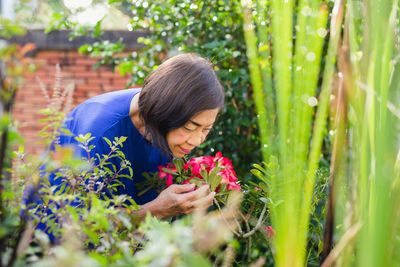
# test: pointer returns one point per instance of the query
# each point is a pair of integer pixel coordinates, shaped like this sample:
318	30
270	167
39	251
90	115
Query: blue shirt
107	115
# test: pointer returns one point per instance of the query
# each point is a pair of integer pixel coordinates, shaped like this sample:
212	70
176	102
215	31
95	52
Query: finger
189	211
182	188
199	193
205	202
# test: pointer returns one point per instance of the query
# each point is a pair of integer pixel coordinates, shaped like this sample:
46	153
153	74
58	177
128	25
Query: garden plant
360	68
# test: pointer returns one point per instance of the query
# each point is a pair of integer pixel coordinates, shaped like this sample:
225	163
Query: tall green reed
371	72
297	133
288	74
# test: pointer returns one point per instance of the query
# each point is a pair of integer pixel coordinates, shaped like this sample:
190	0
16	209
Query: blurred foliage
13	63
38	14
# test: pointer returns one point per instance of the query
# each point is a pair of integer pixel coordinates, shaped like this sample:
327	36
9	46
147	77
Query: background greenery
211	28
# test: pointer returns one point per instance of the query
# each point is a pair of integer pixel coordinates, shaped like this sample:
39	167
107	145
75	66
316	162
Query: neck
135	115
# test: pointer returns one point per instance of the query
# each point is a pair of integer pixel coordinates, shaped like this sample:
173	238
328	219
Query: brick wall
75	68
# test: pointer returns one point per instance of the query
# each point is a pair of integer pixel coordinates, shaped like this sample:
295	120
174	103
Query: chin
178	156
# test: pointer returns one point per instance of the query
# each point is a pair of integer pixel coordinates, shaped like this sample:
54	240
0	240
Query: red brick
80	100
74	54
29	81
45	71
54	61
46	80
86	61
123	54
38	61
119	82
36	99
76	68
29	74
104	68
50	54
86	74
79	93
47	67
91	94
76	81
88	83
109	88
33	86
98	81
85	87
107	74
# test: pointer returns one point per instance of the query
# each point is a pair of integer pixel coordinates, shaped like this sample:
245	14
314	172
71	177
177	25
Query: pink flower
269	231
224	162
199	164
257	188
225	174
196	166
171	167
234	186
228	176
168	180
163	174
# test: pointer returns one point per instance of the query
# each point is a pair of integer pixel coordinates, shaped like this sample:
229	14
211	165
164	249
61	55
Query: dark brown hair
177	90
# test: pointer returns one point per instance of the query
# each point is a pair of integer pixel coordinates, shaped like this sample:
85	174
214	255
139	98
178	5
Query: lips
186	151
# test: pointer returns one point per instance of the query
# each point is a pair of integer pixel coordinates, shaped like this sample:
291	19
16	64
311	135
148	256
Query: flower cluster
167	175
270	232
216	171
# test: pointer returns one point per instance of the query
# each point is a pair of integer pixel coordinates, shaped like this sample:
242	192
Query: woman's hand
177	199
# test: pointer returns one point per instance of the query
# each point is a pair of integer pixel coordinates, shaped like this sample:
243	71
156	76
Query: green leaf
84	48
92	235
144	191
102	259
196	182
195	260
204	174
122	139
214	179
178	164
108	141
169	171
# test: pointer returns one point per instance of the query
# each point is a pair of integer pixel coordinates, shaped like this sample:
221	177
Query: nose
195	139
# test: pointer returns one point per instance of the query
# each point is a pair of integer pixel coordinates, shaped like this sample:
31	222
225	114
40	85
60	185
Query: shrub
211	28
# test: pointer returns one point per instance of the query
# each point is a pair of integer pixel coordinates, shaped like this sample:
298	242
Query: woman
171	115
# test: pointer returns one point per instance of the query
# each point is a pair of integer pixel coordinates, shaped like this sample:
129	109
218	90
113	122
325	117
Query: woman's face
182	140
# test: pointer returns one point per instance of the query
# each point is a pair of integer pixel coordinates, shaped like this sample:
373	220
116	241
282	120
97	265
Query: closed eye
188	129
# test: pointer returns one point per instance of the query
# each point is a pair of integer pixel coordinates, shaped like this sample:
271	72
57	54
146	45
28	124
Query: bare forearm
151	207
